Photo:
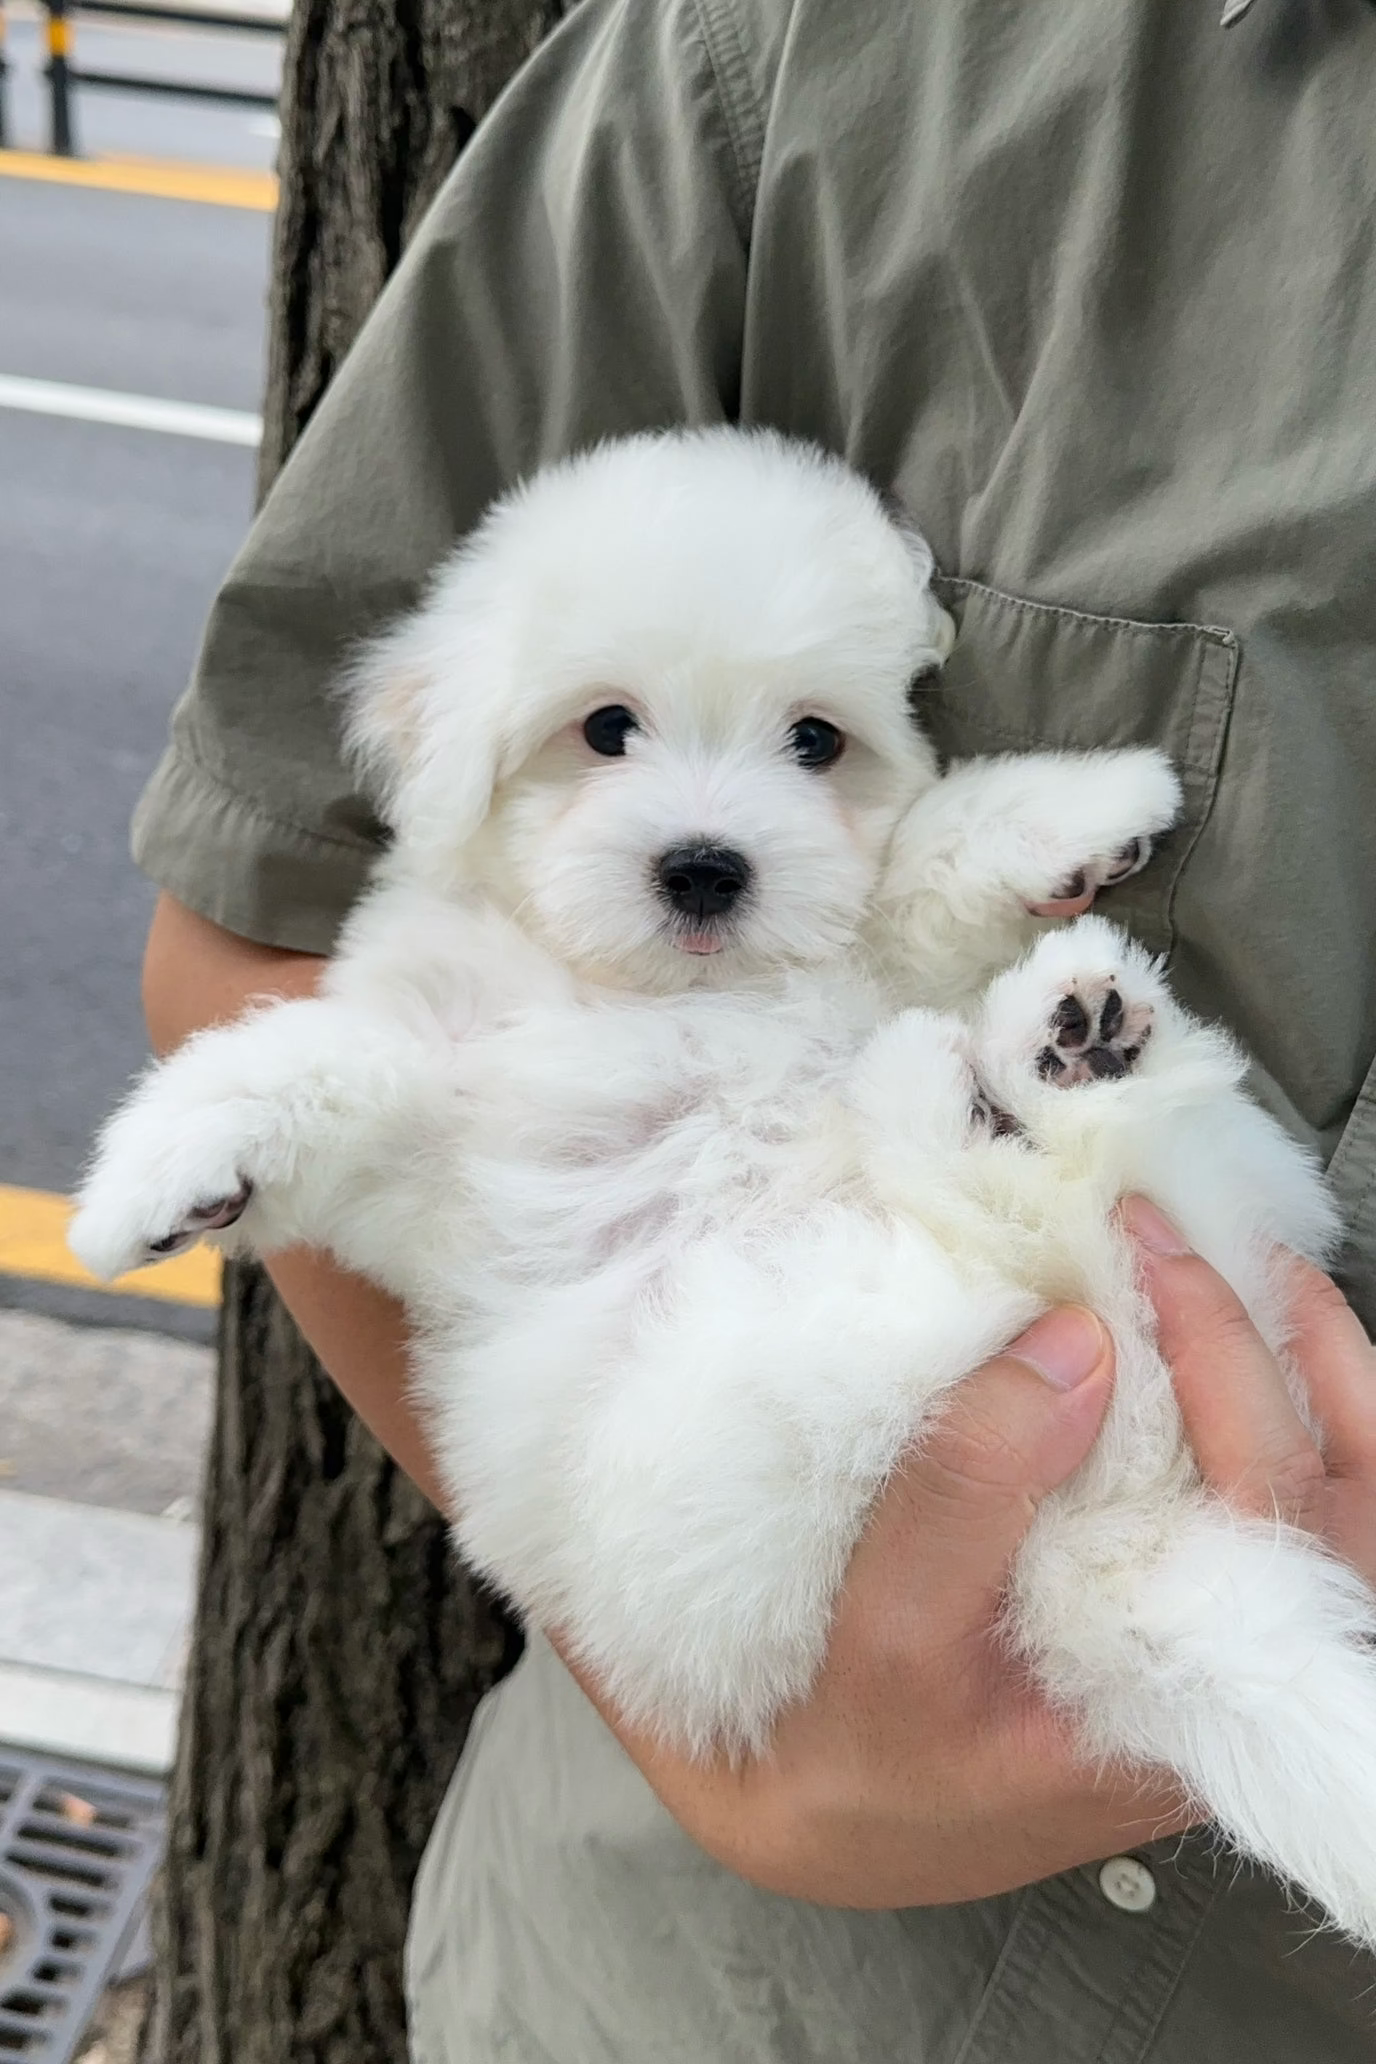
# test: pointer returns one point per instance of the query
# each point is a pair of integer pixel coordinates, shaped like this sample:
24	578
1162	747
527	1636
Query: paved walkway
99	1415
102	1435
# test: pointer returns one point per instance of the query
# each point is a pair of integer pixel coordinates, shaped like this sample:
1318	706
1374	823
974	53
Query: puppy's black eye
815	742
606	730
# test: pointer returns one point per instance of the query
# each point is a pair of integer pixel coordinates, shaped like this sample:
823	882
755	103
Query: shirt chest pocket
1031	677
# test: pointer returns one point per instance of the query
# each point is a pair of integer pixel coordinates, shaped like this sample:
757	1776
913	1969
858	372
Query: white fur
697	1241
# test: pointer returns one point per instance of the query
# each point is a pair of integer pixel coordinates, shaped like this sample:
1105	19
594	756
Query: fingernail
1146	1224
1065	1346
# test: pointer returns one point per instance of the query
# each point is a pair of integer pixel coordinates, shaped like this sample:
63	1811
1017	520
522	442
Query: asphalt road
112	542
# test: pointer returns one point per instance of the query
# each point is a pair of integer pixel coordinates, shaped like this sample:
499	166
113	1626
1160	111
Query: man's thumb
1012	1432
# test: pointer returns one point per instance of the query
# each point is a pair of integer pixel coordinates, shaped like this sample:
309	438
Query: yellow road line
168	179
33	1243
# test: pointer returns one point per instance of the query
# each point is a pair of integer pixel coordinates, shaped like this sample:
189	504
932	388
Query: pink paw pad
211	1217
1071	898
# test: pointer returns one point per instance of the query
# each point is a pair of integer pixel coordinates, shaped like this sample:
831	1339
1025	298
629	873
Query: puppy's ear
418	727
384	701
939	636
937	632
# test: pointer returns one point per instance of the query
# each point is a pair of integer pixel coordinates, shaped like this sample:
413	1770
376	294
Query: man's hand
1249	1438
925	1768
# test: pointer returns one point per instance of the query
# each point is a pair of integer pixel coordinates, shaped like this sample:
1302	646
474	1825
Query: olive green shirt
1091	286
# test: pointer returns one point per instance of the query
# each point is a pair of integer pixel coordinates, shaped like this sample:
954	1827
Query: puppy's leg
916	1095
285	1126
1001	843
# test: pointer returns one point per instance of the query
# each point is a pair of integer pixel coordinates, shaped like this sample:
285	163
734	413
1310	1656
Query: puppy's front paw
1093	1034
169	1168
123	1222
1085	1006
1092	820
1073	896
213	1217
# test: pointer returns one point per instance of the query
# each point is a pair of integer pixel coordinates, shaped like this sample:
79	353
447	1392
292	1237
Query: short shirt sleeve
581	275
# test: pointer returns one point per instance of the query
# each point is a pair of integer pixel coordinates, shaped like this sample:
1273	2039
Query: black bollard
60	79
4	73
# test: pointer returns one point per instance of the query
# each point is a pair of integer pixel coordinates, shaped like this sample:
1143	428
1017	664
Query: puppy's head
658	706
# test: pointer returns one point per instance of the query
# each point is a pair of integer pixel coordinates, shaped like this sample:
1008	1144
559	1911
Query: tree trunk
339	1651
379	97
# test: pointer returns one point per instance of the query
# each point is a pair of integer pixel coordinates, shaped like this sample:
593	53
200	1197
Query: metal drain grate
78	1849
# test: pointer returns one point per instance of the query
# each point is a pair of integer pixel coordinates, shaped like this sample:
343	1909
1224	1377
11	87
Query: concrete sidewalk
95	1617
102	1438
102	1415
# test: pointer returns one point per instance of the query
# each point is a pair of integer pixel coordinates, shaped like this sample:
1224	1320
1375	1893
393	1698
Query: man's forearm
359	1333
195	974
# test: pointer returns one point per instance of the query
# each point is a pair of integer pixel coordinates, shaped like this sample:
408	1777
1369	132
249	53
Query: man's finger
953	1516
1248	1439
1338	1365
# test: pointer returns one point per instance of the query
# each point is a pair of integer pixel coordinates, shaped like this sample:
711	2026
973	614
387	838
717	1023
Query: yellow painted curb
168	179
33	1243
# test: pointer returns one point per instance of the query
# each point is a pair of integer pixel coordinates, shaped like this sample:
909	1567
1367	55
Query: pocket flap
1026	676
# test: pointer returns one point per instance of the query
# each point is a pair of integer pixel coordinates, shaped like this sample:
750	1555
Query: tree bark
339	1651
379	97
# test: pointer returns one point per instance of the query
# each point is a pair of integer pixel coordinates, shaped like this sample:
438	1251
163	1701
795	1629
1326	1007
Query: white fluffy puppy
627	1079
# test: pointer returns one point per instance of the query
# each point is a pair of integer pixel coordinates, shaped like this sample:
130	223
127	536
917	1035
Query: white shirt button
1128	1884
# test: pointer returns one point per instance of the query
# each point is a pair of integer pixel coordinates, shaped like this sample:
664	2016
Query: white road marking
130	411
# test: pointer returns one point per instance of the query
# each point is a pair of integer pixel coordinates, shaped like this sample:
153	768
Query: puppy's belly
596	1137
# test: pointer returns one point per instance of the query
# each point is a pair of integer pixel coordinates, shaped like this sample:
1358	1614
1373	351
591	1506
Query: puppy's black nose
703	881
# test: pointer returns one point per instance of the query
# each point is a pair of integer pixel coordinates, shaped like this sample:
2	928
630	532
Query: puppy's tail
1244	1659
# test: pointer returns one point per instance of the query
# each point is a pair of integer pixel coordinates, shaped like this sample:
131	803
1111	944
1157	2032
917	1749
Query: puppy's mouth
699	942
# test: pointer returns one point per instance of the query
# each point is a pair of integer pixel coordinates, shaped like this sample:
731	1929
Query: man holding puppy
1088	289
